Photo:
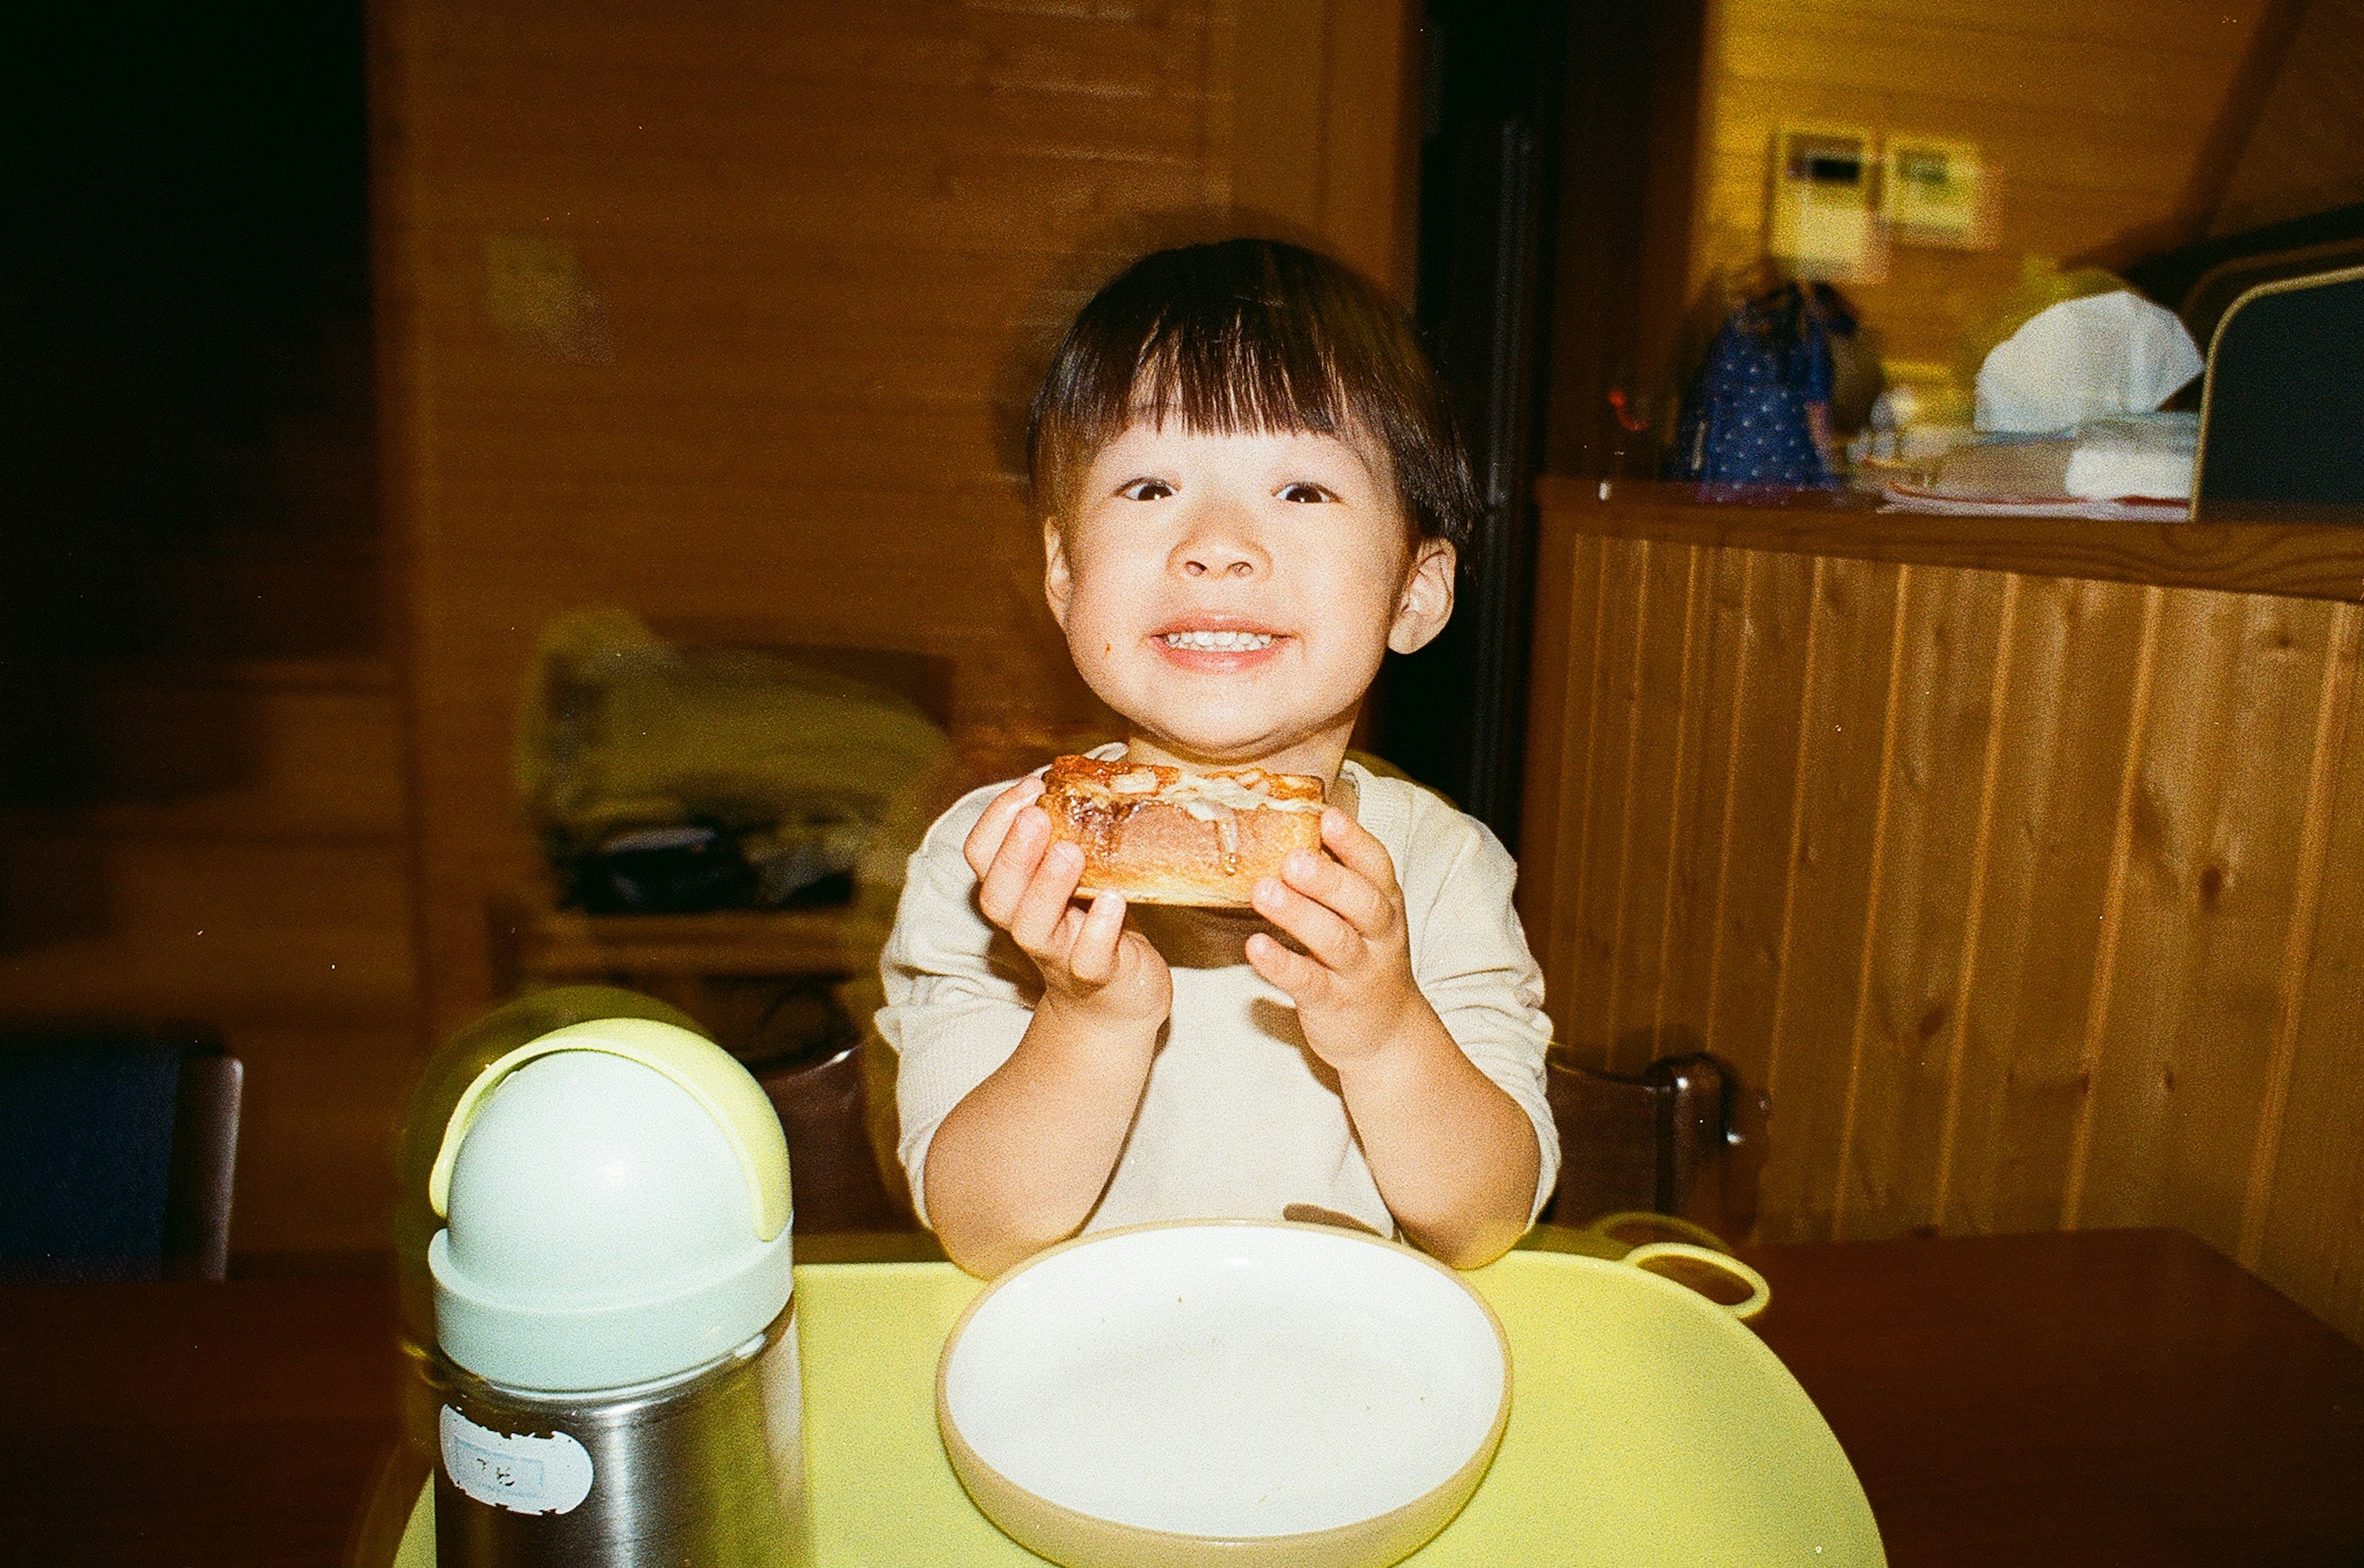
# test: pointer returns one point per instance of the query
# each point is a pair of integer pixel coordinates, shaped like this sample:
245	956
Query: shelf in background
567	944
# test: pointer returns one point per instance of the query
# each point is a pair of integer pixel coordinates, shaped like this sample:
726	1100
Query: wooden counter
2299	552
2021	860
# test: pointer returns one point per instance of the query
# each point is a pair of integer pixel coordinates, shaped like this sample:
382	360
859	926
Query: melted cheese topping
1208	797
1204	797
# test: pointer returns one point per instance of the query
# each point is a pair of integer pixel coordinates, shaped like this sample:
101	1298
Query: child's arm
1454	1156
1018	1163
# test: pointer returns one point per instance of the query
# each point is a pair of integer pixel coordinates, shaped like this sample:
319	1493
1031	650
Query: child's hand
1091	960
1353	984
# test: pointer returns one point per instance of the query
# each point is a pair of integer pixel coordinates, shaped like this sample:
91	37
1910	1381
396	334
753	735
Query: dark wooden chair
1684	1138
823	1104
118	1145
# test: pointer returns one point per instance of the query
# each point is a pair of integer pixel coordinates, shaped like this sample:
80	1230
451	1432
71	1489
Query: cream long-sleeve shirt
1238	1119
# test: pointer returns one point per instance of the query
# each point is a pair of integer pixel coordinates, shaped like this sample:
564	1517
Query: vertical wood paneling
1760	815
2184	1061
1548	682
1585	599
2312	1240
2315	841
1652	815
1938	776
2074	652
1694	791
1715	676
1846	715
2033	901
1967	968
1589	944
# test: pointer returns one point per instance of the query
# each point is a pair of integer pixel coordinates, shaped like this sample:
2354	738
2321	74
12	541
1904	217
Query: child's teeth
1219	642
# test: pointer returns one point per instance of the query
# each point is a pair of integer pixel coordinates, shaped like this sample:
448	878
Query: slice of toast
1159	835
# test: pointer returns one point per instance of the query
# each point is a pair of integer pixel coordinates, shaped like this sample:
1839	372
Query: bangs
1248	337
1237	366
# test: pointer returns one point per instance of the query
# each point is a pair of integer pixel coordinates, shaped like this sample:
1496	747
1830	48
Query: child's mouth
1219	642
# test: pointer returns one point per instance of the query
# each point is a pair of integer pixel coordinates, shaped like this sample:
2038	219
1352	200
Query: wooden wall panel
2032	902
1702	794
2309	1230
1562	648
2096	118
1648	809
1584	938
2210	890
730	317
1943	757
1759	827
1834	866
2303	150
2067	679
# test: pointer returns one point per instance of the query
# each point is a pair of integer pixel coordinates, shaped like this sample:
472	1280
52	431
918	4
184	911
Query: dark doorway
1555	178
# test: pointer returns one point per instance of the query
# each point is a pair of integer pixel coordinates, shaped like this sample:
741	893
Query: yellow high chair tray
1647	1424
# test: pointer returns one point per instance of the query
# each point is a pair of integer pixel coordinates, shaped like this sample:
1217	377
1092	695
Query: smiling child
1250	490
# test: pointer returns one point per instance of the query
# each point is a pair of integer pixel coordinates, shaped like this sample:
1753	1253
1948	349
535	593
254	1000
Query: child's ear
1058	583
1427	600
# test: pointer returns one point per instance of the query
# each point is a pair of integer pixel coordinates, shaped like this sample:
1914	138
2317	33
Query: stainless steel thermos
613	1376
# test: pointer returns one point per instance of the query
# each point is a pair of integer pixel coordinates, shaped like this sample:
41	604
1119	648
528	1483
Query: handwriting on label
526	1473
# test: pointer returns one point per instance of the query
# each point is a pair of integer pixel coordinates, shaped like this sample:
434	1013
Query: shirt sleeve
1470	958
959	994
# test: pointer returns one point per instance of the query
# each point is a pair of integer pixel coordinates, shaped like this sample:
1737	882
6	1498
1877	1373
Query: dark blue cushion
2285	401
86	1158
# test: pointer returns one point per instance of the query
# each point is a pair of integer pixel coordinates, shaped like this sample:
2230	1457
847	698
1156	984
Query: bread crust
1158	835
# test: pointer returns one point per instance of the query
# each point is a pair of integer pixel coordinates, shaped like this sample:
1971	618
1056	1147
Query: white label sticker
526	1473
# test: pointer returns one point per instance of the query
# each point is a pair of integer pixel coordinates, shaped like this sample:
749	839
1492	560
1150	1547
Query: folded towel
2143	457
2148	455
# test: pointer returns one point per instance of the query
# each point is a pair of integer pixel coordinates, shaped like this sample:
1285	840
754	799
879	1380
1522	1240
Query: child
1250	490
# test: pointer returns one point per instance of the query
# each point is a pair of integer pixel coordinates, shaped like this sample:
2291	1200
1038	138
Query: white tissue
2085	359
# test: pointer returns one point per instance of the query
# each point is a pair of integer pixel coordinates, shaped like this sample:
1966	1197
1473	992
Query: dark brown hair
1251	335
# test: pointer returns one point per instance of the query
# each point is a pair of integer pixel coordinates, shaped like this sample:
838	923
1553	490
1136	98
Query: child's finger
1321	930
1002	885
1044	901
985	840
1358	852
1093	958
1329	882
1293	971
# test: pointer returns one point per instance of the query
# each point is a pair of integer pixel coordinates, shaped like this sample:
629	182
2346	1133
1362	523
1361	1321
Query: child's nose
1219	547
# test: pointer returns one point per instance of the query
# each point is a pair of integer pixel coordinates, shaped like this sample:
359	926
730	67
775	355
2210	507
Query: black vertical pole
1454	715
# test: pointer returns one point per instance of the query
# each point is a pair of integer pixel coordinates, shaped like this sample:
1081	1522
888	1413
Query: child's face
1232	595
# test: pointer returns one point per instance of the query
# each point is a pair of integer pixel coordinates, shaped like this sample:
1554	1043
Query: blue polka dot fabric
1748	418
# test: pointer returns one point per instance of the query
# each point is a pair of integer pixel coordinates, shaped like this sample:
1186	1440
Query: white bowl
1228	1392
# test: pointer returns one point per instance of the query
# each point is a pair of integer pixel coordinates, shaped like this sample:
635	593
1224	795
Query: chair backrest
118	1148
2283	400
1685	1137
823	1106
205	1164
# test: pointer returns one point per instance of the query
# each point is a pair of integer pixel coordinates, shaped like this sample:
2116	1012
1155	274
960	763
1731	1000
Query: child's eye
1146	490
1305	493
